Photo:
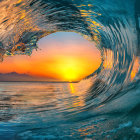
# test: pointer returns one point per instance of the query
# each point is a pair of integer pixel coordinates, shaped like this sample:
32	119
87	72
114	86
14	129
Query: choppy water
33	110
106	104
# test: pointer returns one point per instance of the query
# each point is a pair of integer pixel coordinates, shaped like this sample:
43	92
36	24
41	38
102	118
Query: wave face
112	94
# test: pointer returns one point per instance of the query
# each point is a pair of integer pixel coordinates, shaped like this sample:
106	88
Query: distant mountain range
16	77
13	76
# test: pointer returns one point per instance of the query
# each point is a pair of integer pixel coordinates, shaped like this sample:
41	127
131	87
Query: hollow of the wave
61	56
73	57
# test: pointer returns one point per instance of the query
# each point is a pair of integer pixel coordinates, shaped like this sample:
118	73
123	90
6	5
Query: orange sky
61	56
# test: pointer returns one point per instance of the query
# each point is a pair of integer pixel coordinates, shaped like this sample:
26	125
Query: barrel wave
105	104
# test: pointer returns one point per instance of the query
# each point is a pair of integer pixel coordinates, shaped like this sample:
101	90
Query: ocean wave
113	25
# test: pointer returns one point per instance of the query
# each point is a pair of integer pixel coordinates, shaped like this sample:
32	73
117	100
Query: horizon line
45	81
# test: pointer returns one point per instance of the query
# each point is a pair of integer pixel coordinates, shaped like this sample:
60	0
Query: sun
69	69
69	74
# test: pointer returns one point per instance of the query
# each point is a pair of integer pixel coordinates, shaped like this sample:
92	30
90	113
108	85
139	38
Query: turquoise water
40	110
34	109
106	104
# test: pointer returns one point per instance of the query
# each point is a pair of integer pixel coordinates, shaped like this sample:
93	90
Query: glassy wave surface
104	105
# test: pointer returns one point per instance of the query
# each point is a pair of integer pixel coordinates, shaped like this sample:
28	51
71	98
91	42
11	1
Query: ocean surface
105	104
43	111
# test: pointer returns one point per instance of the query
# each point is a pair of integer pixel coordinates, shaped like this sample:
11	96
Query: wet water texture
104	105
32	110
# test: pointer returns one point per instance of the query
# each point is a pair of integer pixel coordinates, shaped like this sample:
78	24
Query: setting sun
57	59
72	69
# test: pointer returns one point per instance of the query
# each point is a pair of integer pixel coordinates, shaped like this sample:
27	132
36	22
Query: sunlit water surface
41	110
105	105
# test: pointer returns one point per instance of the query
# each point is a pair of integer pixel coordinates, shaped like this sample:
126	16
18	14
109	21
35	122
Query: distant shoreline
43	81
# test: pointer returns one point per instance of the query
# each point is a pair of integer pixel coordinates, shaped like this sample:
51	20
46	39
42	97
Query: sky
62	56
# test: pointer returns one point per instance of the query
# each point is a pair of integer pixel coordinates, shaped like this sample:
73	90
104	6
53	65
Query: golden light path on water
39	97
